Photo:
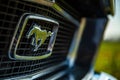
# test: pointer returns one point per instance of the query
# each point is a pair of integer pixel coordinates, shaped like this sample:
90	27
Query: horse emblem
38	36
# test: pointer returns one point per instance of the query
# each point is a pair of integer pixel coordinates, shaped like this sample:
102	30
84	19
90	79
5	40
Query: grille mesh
10	13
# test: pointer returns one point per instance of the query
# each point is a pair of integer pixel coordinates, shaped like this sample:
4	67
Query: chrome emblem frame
12	53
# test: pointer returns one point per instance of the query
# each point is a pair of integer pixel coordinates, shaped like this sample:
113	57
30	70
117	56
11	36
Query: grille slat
10	13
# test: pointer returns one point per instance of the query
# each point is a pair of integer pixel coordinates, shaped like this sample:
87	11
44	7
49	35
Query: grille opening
10	13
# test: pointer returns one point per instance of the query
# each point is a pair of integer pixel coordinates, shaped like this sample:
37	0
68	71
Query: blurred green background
108	58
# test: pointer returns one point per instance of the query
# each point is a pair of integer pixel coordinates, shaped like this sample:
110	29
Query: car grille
10	13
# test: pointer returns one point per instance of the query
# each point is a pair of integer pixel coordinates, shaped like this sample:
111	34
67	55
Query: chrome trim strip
25	17
58	75
39	73
75	43
88	75
109	6
65	14
43	2
112	6
58	9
